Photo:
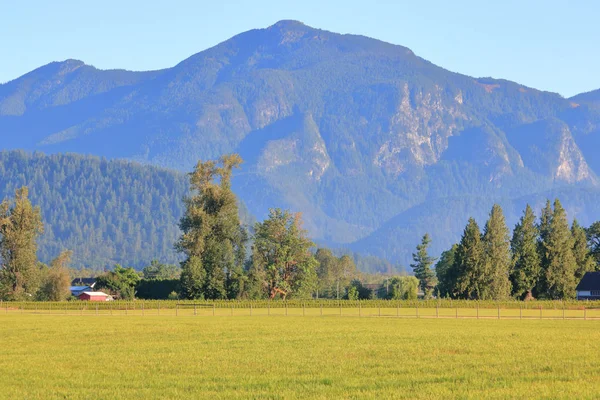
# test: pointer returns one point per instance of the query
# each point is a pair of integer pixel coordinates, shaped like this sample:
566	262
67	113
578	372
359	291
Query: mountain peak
288	24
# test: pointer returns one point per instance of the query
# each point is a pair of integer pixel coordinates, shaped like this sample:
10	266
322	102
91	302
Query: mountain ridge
350	130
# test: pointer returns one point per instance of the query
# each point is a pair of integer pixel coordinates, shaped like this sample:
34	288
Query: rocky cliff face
350	130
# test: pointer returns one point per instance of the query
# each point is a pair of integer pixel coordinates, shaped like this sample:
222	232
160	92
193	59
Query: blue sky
551	45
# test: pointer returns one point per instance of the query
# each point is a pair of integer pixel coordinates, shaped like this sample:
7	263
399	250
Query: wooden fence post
359	310
417	308
477	310
397	309
214	305
498	311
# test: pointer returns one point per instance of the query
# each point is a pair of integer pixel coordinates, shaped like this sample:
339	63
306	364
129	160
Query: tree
468	263
281	254
527	268
583	258
422	267
544	231
446	273
334	274
593	239
496	247
158	270
20	226
193	276
404	288
558	249
120	281
211	229
56	285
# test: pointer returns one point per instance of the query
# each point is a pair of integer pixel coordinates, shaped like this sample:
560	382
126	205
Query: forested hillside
106	212
353	132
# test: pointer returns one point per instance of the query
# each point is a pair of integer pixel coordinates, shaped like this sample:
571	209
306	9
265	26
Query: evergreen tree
446	273
469	262
422	267
281	255
211	228
496	244
20	226
544	228
583	258
526	257
560	273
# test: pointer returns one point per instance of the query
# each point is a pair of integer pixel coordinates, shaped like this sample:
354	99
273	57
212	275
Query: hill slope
350	130
107	212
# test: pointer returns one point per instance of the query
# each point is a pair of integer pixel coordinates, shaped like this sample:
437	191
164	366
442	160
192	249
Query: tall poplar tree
560	273
212	232
583	259
422	267
526	257
496	245
20	226
468	263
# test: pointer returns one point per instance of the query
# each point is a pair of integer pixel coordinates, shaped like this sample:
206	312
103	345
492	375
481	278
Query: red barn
95	296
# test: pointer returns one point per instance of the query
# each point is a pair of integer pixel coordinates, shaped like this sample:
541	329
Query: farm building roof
590	281
79	288
96	294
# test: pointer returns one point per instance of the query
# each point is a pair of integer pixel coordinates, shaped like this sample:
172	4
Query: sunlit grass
134	357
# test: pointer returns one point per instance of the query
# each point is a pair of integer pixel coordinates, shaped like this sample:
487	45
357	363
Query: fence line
360	309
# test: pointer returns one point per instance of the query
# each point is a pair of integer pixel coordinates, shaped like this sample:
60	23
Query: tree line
544	258
223	258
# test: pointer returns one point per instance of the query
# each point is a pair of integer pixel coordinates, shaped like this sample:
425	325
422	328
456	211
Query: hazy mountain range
374	144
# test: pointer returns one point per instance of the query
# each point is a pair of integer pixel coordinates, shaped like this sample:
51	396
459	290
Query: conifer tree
422	267
469	262
526	258
560	273
212	230
496	245
446	273
544	229
20	226
583	258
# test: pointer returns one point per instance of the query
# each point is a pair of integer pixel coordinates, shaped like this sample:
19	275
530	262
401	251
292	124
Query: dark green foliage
469	264
583	258
357	291
557	246
593	239
156	288
526	269
422	267
497	257
446	273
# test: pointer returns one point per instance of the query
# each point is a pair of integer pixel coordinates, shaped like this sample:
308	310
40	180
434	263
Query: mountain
356	133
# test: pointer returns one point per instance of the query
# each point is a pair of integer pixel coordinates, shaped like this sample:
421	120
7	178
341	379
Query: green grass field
156	357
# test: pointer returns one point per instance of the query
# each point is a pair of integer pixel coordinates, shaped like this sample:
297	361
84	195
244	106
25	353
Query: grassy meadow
47	356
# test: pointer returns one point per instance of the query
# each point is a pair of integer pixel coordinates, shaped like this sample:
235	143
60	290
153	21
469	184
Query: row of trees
545	258
22	276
